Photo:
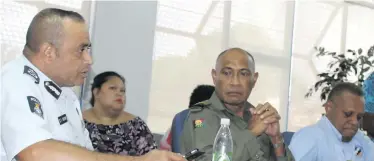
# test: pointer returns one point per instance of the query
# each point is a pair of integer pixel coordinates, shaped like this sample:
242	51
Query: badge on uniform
198	123
358	151
52	88
62	119
31	72
35	106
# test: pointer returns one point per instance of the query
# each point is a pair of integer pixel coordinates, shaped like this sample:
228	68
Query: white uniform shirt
322	142
34	109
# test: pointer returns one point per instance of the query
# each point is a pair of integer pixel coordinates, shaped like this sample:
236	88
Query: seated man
336	137
255	132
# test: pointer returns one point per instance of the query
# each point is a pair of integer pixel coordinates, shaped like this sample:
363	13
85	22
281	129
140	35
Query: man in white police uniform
40	115
336	136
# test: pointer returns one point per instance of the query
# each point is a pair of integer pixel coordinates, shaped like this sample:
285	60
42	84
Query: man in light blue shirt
336	137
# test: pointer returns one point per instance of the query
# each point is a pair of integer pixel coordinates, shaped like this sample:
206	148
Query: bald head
234	76
47	27
251	60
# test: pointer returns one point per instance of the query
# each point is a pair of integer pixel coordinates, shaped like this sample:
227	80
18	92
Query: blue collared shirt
322	142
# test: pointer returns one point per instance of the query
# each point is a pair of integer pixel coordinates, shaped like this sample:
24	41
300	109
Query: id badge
358	153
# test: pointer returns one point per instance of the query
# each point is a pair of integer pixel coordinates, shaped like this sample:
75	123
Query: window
266	30
259	27
184	53
316	24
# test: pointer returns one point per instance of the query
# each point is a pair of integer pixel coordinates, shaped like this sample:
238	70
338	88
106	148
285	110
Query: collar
218	104
332	128
38	76
337	134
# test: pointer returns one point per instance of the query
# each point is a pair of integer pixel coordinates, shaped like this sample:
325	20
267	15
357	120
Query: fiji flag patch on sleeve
35	106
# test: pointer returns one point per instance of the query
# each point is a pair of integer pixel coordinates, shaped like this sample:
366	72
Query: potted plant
353	63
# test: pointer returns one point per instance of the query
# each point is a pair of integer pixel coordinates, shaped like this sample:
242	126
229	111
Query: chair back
176	130
287	136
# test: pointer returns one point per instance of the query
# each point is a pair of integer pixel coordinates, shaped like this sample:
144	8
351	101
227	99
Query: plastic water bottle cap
225	121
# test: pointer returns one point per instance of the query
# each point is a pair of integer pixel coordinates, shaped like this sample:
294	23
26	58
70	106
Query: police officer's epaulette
200	106
31	72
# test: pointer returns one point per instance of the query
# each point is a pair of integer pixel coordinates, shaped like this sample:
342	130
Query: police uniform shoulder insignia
199	106
35	106
31	72
53	89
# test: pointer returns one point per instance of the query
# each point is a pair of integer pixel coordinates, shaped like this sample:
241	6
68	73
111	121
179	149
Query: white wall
122	41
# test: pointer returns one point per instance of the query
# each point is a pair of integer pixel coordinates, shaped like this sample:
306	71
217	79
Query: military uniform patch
198	123
31	72
35	106
52	88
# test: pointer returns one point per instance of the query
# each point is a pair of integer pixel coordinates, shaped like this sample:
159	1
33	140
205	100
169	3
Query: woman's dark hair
99	80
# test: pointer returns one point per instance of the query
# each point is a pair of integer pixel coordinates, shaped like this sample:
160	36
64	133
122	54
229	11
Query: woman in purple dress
112	130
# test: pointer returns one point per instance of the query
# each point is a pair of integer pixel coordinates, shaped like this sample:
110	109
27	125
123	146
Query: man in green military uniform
255	131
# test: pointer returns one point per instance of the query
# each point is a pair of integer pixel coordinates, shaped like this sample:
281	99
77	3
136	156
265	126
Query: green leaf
354	68
309	93
325	92
365	59
322	50
371	51
331	53
341	56
369	63
359	51
319	84
365	69
321	54
354	63
323	75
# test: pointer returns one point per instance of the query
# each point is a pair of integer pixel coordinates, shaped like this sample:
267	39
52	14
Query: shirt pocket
205	133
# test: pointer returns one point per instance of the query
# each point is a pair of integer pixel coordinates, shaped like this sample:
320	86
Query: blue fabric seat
176	129
287	136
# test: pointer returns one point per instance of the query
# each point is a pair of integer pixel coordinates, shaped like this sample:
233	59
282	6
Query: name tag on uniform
63	119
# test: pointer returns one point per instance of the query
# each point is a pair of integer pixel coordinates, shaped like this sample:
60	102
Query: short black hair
240	49
201	93
47	26
100	79
339	88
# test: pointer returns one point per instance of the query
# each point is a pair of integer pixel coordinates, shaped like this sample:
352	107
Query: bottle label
222	156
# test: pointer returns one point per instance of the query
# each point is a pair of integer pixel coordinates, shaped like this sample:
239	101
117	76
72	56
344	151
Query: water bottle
223	144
